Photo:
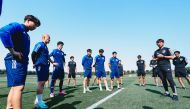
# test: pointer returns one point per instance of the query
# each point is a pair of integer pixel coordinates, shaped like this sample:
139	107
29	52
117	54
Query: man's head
101	51
114	54
72	58
89	52
177	53
60	45
31	22
160	43
139	57
46	38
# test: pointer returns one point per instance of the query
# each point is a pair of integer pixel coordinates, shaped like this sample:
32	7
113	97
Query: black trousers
165	74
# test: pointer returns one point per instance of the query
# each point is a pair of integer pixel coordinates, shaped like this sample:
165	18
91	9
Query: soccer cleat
62	93
51	95
41	105
175	98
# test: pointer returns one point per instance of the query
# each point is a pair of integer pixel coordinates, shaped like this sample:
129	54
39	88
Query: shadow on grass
99	108
147	107
150	85
186	96
25	92
154	91
68	105
2	96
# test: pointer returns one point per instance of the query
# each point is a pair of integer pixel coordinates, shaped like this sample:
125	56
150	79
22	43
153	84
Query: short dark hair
101	51
177	52
32	18
114	52
89	50
160	40
71	57
60	42
139	56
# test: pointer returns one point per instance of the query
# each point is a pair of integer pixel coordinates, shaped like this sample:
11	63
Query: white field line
104	100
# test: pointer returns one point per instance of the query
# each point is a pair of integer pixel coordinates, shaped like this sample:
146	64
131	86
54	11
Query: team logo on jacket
141	61
181	59
163	51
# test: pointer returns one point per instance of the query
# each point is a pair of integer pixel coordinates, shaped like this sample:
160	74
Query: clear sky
129	27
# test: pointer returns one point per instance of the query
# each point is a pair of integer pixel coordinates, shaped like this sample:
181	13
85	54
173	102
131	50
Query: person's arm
35	53
6	33
170	56
186	62
109	64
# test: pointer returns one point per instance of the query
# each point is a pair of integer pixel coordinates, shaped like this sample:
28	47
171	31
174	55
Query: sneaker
167	94
51	95
88	90
184	88
84	91
41	105
175	98
62	93
108	90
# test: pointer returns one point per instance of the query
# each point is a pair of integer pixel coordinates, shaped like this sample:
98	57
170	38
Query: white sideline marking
104	99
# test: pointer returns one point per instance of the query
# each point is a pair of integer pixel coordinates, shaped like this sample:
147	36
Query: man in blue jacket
15	38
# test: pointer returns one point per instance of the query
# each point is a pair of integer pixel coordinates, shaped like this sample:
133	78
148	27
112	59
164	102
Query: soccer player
163	56
180	71
120	66
141	71
16	39
113	65
40	58
72	69
153	64
87	61
100	69
58	70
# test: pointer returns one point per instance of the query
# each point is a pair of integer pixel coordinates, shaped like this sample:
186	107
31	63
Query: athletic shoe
62	93
41	105
175	98
108	90
84	91
51	95
88	90
167	94
184	88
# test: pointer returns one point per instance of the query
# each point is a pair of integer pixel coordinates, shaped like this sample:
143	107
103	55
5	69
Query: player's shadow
57	100
186	96
147	107
2	96
68	105
150	85
154	91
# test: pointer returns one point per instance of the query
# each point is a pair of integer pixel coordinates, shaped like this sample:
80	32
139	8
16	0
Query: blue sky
129	27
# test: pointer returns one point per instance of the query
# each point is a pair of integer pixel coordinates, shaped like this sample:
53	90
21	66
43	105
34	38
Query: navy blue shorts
114	73
181	72
100	73
141	72
58	73
16	73
88	73
42	72
155	72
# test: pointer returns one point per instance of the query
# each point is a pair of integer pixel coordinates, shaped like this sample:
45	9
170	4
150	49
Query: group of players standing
162	68
15	38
